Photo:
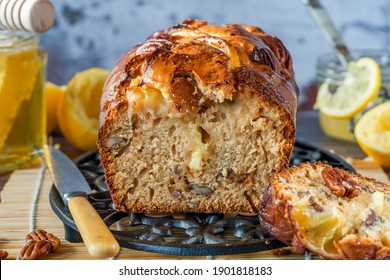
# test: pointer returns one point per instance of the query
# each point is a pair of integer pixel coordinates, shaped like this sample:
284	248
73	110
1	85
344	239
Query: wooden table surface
18	192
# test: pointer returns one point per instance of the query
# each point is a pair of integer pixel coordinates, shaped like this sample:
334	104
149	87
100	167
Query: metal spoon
328	29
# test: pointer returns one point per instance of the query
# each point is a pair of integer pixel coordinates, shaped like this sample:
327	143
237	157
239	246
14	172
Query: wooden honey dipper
28	15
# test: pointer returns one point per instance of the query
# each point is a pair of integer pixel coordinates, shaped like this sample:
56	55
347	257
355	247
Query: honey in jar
22	103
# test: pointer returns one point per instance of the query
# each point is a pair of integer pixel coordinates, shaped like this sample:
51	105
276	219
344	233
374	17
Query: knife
74	191
328	29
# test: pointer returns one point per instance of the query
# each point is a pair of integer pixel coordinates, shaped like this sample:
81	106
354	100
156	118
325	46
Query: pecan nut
41	234
200	189
3	254
340	182
34	249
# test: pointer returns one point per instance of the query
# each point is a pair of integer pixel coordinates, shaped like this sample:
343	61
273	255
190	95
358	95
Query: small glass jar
22	102
330	70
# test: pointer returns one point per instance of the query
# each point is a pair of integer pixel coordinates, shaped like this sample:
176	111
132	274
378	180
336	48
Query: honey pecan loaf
197	119
329	211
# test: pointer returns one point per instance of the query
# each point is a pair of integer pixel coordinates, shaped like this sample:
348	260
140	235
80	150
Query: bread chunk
197	119
328	211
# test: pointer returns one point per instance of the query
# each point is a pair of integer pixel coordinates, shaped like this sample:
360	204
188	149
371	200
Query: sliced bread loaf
328	211
197	119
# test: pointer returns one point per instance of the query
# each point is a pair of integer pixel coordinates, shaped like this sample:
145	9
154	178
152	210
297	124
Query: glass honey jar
22	102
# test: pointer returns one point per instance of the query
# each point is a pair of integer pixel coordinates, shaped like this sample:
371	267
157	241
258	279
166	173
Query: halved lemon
53	95
372	132
78	111
360	86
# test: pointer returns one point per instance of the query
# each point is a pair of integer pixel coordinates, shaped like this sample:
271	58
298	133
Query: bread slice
197	119
328	211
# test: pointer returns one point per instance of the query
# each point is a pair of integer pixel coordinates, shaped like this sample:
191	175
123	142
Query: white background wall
92	33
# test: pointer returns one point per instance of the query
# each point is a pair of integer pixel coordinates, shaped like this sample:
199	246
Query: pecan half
3	254
114	142
41	234
200	189
340	183
34	249
372	219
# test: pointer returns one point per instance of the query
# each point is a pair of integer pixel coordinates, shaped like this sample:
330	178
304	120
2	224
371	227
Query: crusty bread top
195	63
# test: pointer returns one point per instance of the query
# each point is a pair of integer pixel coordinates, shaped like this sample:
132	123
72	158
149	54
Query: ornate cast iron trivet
186	234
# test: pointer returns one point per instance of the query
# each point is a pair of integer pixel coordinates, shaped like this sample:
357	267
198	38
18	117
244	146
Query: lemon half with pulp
78	111
372	132
360	86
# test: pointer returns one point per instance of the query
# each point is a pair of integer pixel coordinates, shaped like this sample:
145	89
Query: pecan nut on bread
196	119
328	211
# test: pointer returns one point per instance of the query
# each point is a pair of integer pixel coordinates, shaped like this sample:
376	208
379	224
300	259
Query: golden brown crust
204	54
273	217
277	208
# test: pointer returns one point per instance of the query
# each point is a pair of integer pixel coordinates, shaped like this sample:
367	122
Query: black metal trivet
184	234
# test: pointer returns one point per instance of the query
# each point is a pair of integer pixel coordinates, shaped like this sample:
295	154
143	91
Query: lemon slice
360	86
372	132
78	110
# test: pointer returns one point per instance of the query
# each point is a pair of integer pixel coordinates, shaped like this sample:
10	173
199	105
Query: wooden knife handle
96	236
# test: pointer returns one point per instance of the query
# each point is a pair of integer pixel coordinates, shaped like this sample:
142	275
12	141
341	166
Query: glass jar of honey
331	71
22	102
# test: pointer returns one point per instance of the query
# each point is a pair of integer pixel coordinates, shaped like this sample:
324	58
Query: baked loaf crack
328	211
197	119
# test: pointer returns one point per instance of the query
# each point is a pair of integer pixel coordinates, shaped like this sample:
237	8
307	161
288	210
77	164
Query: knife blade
74	191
